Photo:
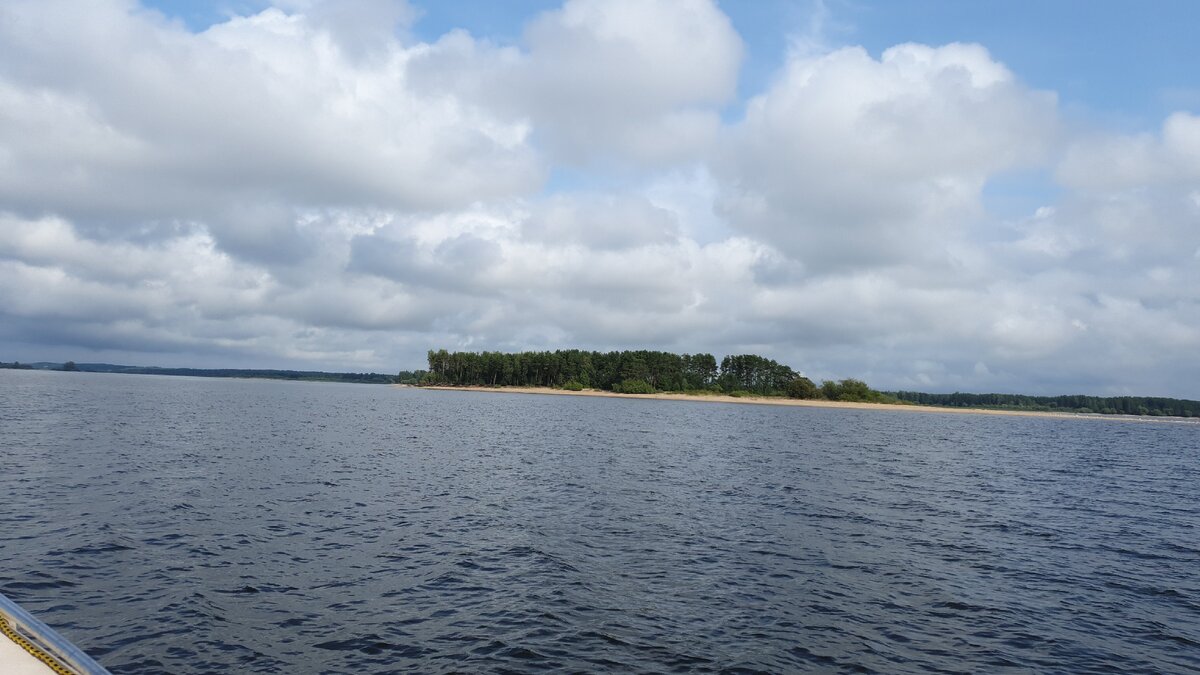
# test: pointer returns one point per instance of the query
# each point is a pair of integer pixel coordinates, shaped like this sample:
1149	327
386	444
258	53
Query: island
743	376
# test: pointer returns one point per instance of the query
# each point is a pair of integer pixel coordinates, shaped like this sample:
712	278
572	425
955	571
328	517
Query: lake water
196	525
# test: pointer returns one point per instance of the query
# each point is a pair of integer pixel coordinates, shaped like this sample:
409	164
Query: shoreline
806	403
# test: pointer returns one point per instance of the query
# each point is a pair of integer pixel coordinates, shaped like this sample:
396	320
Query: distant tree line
15	365
1112	405
306	375
635	372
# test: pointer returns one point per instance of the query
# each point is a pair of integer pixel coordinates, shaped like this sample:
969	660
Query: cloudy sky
931	195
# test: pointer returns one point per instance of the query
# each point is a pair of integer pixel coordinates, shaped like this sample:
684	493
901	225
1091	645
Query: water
196	525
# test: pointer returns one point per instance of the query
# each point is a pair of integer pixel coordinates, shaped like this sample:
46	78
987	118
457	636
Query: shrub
740	393
880	397
573	386
853	390
802	387
633	387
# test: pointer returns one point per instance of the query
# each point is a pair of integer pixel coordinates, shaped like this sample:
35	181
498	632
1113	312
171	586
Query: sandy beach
802	403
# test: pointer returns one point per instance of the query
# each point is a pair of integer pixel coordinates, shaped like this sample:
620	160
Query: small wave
252	590
244	590
960	606
810	656
605	637
1181	639
522	654
374	644
1179	548
100	548
37	585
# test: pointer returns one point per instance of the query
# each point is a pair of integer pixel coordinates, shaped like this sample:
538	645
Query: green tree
802	387
634	368
853	390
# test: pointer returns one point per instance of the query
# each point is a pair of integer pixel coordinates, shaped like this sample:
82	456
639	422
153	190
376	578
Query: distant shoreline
808	403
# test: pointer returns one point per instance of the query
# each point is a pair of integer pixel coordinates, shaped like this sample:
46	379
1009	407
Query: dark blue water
196	525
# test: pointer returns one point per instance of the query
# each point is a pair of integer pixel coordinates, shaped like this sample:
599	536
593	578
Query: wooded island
638	372
648	372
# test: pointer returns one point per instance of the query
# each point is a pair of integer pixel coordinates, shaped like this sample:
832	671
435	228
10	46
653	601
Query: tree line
1111	405
300	375
634	372
256	373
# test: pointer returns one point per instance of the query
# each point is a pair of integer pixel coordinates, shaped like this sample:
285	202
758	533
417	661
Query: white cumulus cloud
847	160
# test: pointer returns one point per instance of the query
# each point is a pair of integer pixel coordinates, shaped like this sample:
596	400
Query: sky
932	195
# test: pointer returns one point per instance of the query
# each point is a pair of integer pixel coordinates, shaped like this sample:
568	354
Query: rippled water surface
197	525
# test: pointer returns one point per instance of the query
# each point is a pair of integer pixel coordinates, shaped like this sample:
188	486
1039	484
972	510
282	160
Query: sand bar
807	403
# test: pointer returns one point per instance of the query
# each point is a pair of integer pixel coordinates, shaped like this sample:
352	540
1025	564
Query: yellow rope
37	652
